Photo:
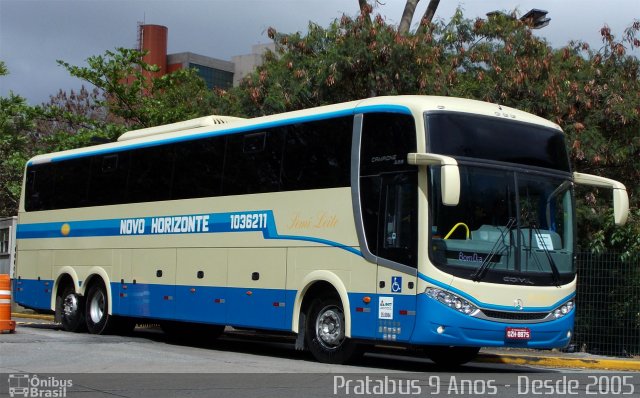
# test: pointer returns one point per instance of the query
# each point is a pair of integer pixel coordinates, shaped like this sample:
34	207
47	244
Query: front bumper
438	324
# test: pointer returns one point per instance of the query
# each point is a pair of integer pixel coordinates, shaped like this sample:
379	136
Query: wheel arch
97	275
313	279
65	275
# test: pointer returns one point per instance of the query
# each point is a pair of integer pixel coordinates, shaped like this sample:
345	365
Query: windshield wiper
482	270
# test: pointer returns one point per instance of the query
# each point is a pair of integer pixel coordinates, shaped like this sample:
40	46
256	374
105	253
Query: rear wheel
72	311
98	319
451	356
325	332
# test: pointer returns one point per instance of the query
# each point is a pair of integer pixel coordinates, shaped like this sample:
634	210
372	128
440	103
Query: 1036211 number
248	221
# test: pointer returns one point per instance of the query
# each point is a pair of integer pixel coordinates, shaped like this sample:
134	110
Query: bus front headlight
451	300
564	309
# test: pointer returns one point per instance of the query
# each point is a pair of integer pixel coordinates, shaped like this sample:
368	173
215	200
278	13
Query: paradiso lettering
165	225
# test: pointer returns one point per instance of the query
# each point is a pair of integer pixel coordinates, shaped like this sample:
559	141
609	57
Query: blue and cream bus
412	220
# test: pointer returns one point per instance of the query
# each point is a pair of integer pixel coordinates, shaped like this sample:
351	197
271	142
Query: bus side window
108	179
370	201
198	168
72	183
254	142
150	174
388	187
253	162
317	155
398	239
39	189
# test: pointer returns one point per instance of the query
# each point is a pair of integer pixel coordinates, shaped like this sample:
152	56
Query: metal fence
607	305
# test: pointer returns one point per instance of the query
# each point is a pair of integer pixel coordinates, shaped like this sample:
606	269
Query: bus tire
72	311
450	356
325	332
97	311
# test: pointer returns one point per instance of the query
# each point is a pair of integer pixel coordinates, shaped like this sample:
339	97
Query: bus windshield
508	227
511	225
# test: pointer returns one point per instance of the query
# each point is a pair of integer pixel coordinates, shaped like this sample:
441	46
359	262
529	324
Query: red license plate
518	333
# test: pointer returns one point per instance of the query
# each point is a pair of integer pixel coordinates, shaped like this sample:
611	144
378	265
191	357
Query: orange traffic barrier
6	324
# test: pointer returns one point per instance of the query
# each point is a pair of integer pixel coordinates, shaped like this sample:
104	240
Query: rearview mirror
620	196
449	174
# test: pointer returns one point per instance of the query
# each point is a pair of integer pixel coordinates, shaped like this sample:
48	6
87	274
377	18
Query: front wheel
325	332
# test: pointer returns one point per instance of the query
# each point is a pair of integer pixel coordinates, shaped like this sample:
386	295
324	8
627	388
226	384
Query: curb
559	362
43	317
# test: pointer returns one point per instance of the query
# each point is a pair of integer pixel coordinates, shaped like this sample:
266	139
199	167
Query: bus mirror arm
449	174
620	196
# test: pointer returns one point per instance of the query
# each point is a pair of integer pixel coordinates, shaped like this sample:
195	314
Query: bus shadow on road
375	358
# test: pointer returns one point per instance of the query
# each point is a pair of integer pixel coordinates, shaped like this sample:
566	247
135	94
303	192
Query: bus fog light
569	334
440	329
451	300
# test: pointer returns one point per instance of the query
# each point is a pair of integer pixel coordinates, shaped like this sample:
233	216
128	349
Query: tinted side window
398	240
40	187
198	168
150	174
109	179
318	155
370	200
387	138
253	162
388	187
72	183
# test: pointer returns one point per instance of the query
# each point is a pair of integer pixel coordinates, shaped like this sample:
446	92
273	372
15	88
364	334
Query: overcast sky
35	33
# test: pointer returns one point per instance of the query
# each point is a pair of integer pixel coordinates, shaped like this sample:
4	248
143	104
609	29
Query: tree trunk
429	13
407	16
365	10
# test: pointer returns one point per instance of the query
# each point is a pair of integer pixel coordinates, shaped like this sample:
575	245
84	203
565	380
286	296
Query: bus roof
222	125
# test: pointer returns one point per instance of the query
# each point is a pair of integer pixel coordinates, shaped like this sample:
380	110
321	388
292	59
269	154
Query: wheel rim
70	305
329	327
96	307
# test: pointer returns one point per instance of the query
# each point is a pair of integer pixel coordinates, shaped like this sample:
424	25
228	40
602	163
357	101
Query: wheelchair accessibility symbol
396	284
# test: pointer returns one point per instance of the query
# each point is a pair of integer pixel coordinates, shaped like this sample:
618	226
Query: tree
594	95
123	97
127	93
16	127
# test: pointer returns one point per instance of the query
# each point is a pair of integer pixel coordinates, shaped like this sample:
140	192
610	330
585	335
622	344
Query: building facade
216	73
8	245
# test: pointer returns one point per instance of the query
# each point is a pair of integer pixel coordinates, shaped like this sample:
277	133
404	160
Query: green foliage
16	122
126	95
594	95
130	90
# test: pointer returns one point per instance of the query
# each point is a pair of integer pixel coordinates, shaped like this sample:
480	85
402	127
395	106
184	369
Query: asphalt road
239	364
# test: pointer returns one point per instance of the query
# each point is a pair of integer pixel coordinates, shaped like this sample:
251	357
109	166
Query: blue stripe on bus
273	309
237	130
260	221
488	306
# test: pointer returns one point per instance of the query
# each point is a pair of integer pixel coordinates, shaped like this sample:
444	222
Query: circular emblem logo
65	229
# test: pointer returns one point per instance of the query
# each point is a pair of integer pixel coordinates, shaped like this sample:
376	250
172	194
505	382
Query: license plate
518	333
